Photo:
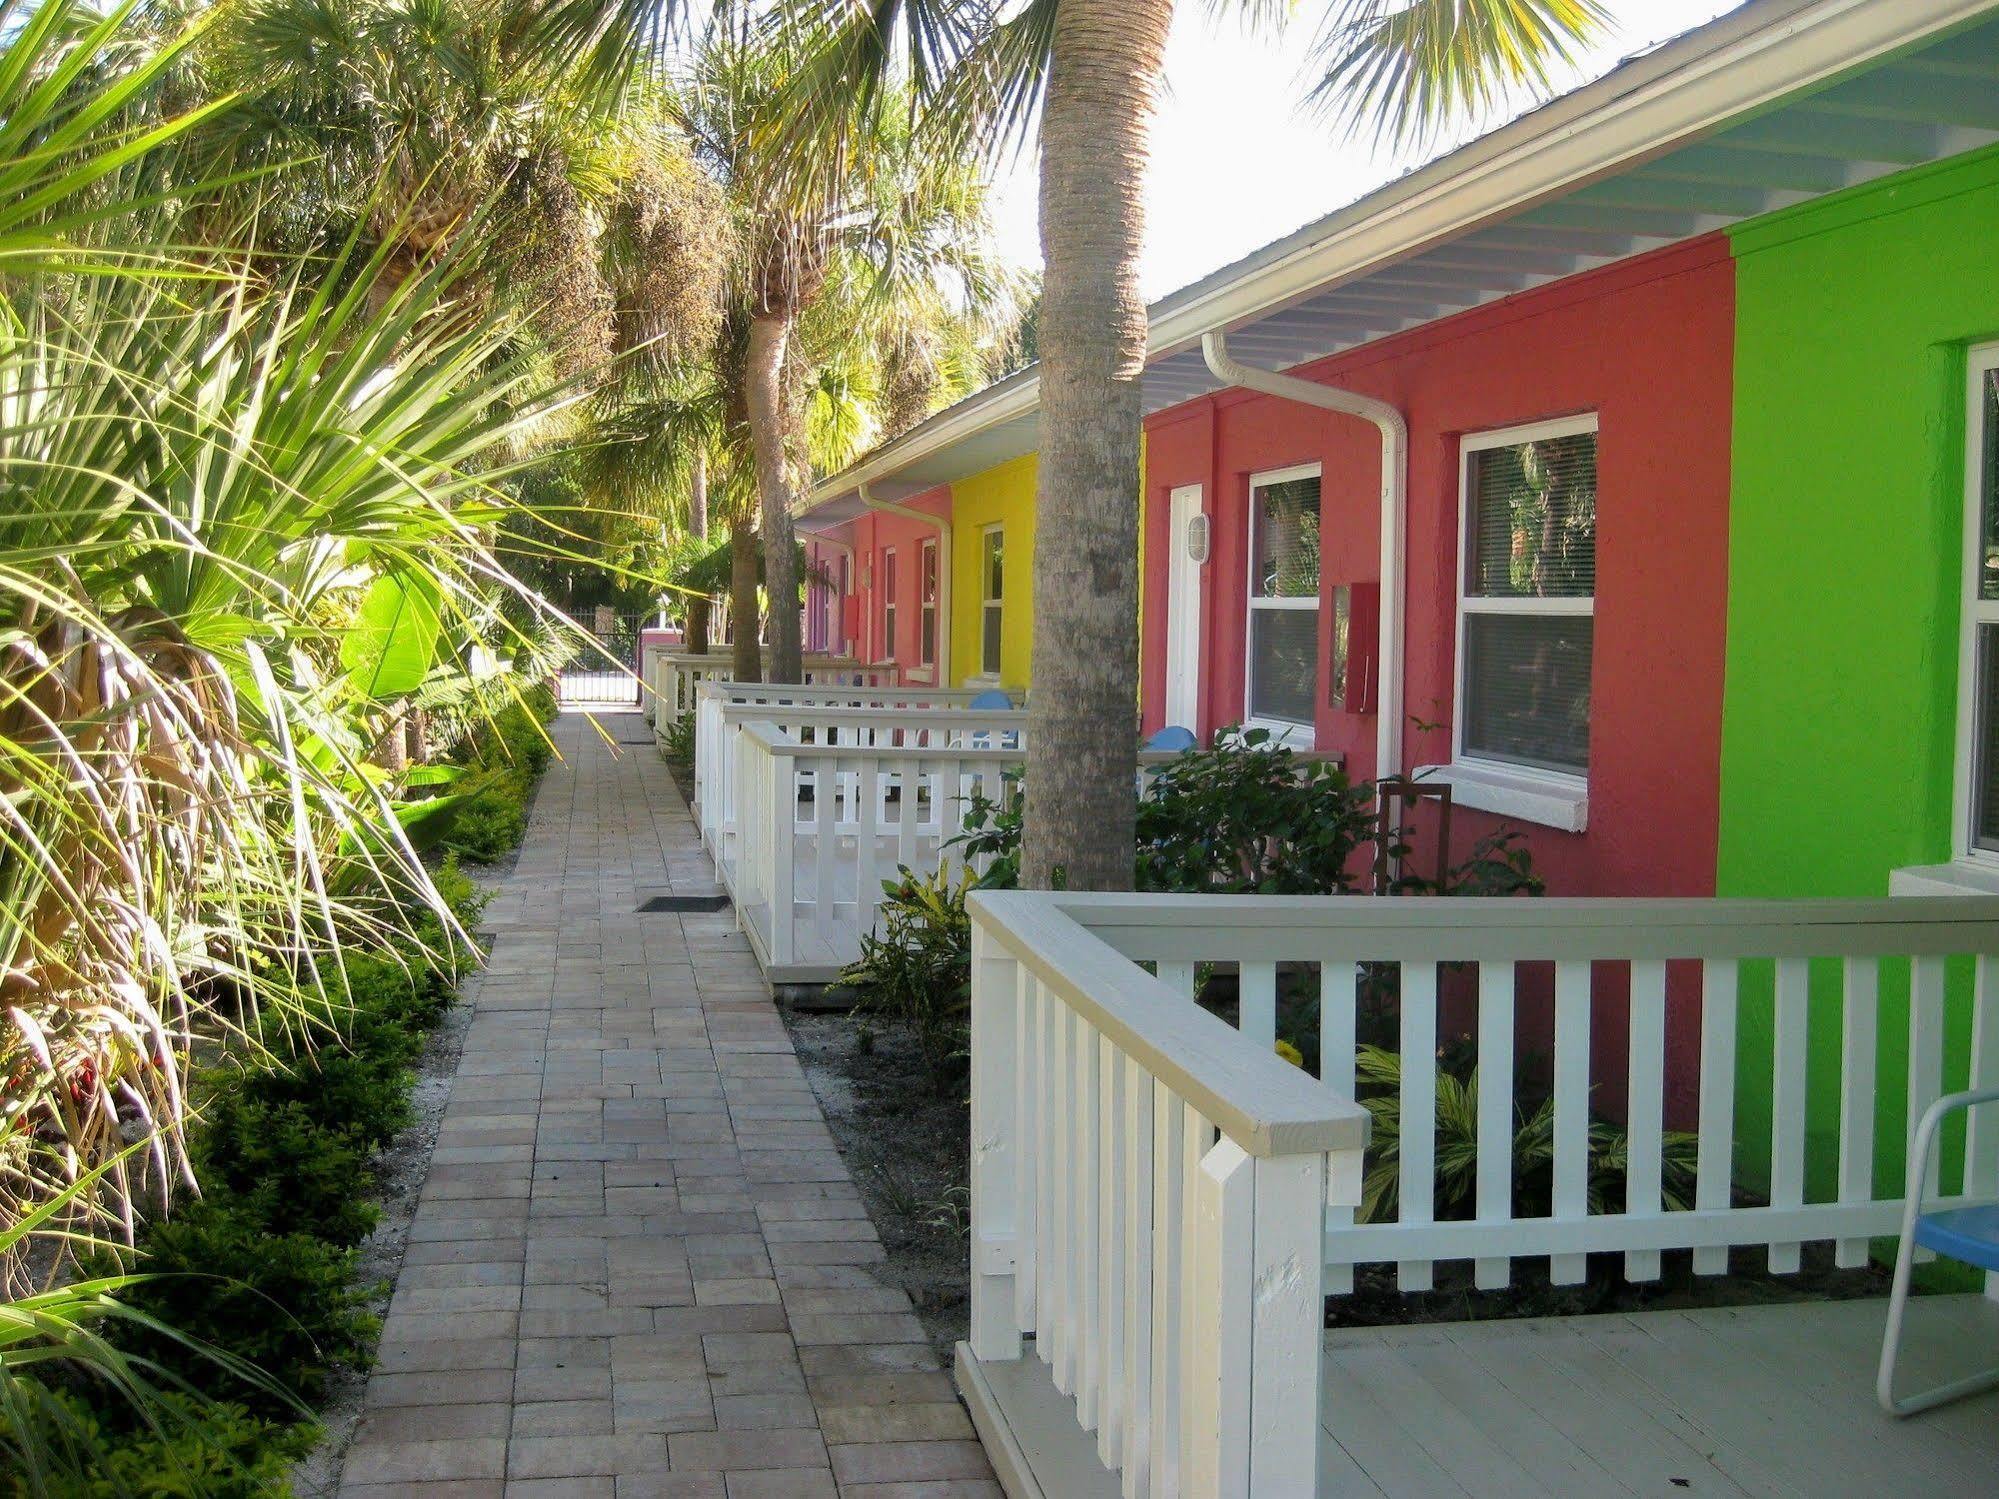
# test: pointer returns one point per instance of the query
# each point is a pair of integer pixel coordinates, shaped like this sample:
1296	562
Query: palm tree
894	233
1091	70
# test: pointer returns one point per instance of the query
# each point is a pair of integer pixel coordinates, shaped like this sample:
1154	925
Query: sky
1236	163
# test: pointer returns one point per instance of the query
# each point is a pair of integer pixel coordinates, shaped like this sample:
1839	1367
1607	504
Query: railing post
995	1330
1252	1397
781	825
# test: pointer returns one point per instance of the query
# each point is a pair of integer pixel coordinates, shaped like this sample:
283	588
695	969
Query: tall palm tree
1091	70
890	227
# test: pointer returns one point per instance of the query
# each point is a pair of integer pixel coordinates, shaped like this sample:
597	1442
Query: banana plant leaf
394	640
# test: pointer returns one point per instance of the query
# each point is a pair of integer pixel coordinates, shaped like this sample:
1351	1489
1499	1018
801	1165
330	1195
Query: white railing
1687	982
677	678
821	715
1149	1191
819	826
1651	1014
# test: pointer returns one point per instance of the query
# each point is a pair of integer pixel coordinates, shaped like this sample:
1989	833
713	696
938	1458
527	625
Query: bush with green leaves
1378	1085
918	971
195	1450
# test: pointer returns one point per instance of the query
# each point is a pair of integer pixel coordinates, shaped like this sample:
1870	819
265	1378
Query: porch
675	677
1764	1400
1161	1205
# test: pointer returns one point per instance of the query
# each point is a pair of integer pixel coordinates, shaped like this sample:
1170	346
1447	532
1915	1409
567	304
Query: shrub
1378	1083
282	1171
918	972
490	823
677	742
199	1451
286	1302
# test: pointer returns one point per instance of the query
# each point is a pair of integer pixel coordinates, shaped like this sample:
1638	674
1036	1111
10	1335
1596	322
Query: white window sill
1958	877
1555	802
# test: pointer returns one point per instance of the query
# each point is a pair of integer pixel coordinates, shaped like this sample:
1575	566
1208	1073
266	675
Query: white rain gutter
1394	429
942	668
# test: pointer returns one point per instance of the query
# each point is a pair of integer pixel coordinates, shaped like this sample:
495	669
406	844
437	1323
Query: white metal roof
1776	103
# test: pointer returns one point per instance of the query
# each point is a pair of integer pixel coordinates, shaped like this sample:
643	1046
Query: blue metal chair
1969	1235
989	700
1172	738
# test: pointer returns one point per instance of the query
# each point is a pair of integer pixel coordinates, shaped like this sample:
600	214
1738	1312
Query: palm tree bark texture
1107	60
770	411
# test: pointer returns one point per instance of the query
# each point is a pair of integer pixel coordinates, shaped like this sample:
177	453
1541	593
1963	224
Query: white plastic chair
1969	1235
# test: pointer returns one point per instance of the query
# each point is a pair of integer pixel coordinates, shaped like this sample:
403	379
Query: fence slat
1417	1190
1060	1268
1926	1026
1137	1344
1860	1009
1787	1097
1571	1168
1258	1008
1047	1179
1111	1231
1027	1159
1338	1000
1981	1159
1179	977
1645	1105
1083	1151
1168	1273
1714	1182
867	810
1495	1111
1195	1293
825	853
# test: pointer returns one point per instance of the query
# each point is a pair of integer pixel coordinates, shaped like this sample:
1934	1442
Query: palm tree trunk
697	494
747	665
769	413
1082	743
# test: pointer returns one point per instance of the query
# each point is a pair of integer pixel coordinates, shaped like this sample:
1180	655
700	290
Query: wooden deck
1765	1401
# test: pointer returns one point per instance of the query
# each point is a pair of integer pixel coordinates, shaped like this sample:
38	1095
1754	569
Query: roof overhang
1776	103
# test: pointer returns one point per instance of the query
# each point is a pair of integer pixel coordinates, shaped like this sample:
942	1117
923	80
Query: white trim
1185	503
1556	801
1958	877
886	646
1973	612
1569	788
1286	730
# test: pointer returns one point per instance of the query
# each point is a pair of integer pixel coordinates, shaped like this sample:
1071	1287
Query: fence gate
606	670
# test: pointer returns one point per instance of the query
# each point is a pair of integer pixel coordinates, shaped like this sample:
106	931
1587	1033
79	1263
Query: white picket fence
1882	977
1149	1191
805	833
819	713
677	677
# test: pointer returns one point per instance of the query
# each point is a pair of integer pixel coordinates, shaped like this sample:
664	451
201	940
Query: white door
1183	612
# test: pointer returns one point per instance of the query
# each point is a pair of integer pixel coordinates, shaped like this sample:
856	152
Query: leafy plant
1378	1085
918	971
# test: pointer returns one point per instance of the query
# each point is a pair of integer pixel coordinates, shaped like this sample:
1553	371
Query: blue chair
1969	1235
1173	739
993	700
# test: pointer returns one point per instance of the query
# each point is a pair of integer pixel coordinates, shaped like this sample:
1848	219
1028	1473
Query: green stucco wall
1854	315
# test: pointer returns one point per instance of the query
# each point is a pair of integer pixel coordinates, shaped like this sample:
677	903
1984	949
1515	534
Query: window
840	613
1978	686
992	590
1283	667
1526	618
888	605
927	630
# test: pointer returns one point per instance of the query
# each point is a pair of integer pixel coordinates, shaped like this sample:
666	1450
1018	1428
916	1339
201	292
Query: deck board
1765	1400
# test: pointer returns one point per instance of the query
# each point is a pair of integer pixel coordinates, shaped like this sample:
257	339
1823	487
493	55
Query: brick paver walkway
638	1267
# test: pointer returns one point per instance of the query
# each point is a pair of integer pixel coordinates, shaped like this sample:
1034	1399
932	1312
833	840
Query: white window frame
1281	730
1981	361
926	604
1558	799
992	610
888	641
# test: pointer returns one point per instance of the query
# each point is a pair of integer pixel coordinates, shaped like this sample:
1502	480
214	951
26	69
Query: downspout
1394	428
945	562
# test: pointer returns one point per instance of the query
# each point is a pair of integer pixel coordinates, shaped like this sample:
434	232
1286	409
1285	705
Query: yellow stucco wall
1003	496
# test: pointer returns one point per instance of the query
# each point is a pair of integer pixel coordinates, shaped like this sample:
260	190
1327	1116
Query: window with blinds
1283	667
1528	600
927	633
1980	702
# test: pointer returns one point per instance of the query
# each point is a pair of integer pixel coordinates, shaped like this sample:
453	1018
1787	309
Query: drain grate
684	903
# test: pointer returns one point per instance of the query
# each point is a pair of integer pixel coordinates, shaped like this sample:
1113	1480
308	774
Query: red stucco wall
1648	346
874	535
